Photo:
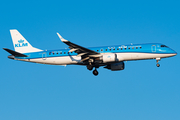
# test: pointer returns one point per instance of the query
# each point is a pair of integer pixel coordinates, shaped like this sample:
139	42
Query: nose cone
174	52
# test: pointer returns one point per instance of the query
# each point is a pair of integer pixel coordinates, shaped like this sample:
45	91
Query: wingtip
13	30
61	38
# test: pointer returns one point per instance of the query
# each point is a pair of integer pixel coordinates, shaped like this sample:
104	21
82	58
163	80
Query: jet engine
115	66
109	58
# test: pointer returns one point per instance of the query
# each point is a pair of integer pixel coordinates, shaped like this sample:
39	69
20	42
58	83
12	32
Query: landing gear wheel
95	72
157	61
89	67
158	65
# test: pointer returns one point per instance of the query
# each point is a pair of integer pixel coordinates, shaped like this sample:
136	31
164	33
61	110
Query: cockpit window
164	46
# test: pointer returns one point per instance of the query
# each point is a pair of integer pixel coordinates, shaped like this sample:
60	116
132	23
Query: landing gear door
44	56
153	48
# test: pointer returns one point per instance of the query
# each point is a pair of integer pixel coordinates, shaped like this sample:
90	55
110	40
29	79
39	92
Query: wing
81	51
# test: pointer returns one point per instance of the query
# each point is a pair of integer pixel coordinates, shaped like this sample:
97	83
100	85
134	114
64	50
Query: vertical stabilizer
21	44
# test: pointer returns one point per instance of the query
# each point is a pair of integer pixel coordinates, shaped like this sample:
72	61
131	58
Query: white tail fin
21	44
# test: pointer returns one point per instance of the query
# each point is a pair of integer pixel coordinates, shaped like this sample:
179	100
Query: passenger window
132	47
140	47
101	49
128	48
121	48
125	48
60	52
136	47
117	48
106	49
49	53
97	50
109	49
114	49
64	52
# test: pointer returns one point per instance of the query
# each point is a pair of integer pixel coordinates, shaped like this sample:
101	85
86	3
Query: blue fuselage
152	48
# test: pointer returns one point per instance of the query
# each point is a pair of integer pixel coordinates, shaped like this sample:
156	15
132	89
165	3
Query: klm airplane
111	57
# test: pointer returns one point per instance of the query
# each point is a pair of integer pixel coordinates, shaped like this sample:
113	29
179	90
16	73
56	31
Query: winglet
61	38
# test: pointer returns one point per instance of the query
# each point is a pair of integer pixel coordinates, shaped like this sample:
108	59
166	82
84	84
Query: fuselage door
44	56
153	48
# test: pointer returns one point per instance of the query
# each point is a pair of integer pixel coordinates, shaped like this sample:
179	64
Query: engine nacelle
116	66
109	58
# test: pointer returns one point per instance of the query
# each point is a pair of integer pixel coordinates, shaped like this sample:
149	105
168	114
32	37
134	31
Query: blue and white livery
111	57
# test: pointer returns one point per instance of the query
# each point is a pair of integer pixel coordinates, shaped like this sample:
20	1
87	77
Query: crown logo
20	41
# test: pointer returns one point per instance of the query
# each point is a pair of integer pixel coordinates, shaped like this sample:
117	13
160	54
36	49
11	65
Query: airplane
111	57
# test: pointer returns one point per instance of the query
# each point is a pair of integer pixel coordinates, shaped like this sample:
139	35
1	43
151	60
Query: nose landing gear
158	65
157	61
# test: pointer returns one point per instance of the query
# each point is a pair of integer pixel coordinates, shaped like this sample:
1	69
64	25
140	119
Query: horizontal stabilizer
14	53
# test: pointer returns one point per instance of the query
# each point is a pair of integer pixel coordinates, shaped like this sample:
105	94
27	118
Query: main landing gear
95	72
90	67
157	61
